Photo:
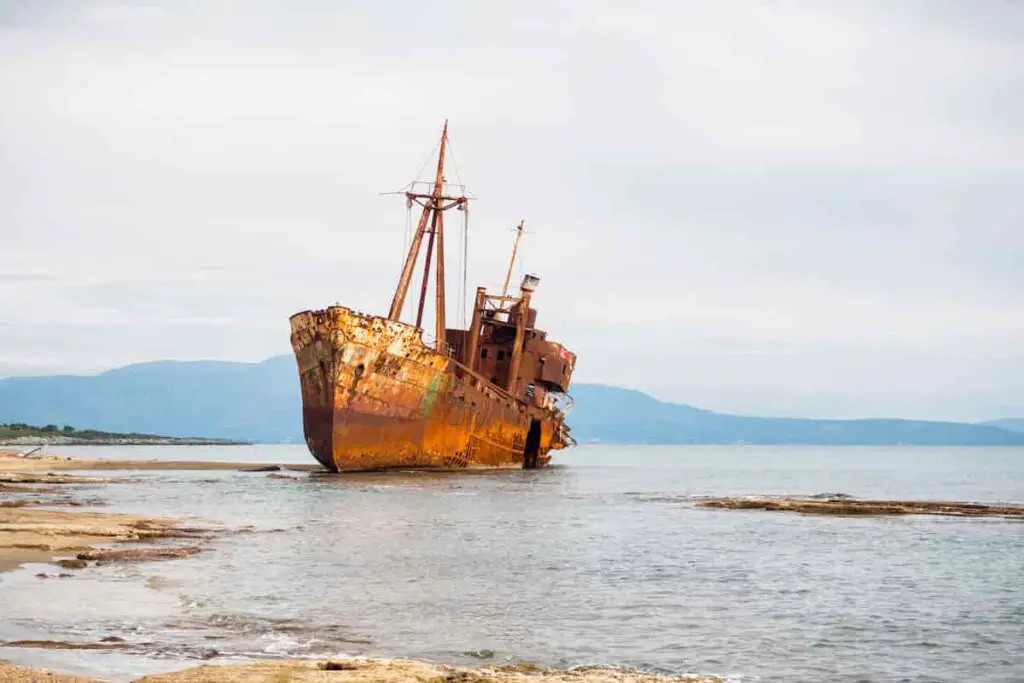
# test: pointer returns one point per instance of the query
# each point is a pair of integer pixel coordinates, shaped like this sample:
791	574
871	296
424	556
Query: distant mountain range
260	402
1014	424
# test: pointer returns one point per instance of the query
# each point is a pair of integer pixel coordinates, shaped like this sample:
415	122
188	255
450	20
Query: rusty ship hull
375	396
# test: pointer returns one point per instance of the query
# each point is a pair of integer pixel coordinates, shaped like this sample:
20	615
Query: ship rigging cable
408	214
405	243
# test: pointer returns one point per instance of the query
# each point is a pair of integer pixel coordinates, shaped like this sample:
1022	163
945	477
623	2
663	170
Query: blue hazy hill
1014	424
260	402
253	401
615	415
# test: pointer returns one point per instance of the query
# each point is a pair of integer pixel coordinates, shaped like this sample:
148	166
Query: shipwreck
381	393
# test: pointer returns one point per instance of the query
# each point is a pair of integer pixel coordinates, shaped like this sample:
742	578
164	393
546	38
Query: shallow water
601	559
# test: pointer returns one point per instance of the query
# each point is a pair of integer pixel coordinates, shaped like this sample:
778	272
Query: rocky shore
31	531
11	461
845	505
367	670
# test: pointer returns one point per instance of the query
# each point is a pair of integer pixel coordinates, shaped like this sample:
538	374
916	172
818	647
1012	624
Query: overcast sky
779	208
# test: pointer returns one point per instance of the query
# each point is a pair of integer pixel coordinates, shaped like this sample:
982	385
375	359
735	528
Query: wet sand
12	558
12	462
367	670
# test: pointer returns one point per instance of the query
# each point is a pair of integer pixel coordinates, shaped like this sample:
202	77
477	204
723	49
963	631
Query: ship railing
443	348
563	401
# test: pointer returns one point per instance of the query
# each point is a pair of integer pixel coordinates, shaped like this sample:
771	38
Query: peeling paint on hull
374	396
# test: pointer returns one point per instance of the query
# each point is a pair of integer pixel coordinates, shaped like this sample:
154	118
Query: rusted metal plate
375	397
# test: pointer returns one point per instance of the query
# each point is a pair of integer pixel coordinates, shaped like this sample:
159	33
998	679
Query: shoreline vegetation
38	524
20	434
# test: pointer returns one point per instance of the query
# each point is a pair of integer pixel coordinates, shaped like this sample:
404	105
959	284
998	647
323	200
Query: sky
771	208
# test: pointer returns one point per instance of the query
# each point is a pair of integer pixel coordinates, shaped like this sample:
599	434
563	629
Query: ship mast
512	262
434	204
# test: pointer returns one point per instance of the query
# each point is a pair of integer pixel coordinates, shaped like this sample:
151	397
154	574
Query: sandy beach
365	671
11	461
10	673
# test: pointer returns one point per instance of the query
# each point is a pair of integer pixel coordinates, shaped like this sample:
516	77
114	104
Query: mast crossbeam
434	205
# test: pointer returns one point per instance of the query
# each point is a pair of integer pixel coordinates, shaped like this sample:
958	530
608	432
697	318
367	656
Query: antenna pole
515	247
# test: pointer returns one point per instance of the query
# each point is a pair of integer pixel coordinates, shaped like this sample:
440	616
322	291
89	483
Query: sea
603	558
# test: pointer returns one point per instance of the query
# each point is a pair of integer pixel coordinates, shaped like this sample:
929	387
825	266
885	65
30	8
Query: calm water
602	559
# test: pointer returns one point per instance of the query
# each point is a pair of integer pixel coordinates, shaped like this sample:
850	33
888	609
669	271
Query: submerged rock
137	554
58	645
72	564
50	478
848	506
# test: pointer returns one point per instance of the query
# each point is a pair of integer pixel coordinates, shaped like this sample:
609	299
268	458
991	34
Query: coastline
33	530
11	461
360	670
29	483
117	441
37	497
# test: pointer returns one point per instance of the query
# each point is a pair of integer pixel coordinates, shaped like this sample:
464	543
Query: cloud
778	208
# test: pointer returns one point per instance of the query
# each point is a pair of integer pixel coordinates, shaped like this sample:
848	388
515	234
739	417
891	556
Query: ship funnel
529	282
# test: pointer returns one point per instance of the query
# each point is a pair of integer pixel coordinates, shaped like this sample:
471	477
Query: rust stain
375	396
